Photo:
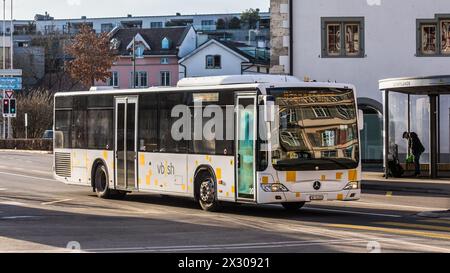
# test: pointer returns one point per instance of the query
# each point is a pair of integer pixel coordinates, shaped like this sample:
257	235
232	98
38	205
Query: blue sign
11	83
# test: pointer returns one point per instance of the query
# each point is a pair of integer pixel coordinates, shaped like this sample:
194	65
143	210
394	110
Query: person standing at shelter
416	148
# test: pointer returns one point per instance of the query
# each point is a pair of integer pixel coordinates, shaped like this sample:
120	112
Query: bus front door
246	118
126	112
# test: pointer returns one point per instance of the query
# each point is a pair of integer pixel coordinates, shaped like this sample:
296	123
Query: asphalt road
39	214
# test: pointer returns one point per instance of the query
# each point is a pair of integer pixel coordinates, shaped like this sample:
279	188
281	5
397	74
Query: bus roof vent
236	79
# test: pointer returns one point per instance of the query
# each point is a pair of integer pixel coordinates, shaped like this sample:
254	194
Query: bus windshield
317	129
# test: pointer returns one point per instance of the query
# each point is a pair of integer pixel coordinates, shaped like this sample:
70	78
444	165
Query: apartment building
361	42
156	51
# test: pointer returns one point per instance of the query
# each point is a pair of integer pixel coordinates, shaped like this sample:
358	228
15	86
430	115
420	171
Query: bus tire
101	184
207	192
292	207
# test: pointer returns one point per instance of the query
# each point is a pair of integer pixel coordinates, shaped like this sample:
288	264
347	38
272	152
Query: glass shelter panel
398	124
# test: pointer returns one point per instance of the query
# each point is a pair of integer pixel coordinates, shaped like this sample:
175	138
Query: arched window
165	44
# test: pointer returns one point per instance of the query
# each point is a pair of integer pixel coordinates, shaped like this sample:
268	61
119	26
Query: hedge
27	144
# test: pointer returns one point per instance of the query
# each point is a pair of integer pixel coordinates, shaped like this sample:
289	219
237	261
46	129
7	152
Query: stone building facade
280	37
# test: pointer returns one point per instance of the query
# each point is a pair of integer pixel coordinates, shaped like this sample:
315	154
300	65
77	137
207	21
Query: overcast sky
26	9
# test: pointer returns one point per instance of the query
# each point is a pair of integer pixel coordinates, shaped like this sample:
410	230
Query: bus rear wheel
293	206
101	182
207	195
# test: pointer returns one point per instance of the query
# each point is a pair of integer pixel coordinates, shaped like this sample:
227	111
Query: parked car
48	134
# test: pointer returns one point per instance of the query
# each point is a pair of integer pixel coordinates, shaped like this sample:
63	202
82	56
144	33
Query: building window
140	80
140	51
334	39
329	138
433	37
345	111
321	112
114	80
343	37
106	28
208	24
165	43
352	39
165	78
164	60
428	33
445	34
156	24
213	62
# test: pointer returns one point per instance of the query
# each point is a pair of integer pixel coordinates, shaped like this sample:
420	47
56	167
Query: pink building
157	53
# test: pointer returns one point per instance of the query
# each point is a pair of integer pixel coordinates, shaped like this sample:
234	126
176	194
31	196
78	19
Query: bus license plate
317	197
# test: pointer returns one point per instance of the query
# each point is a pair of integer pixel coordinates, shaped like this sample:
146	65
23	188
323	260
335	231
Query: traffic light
12	107
5	106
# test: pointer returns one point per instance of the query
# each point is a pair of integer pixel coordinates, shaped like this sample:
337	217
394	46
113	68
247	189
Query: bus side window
63	120
79	135
148	123
100	129
167	102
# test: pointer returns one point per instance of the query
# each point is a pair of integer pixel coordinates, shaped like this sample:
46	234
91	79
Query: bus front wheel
293	206
207	195
101	182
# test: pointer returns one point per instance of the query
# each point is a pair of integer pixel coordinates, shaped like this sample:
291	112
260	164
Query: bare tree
38	104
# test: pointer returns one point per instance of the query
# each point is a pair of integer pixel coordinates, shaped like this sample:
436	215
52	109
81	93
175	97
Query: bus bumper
292	197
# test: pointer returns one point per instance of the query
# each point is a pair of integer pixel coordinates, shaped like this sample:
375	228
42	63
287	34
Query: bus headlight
354	185
274	187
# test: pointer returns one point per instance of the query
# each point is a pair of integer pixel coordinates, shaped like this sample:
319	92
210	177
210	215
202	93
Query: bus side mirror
269	111
360	120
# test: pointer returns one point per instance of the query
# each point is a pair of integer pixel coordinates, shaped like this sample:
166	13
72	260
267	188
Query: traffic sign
11	83
9	94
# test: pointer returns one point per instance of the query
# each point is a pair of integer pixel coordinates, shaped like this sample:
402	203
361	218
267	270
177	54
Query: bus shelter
420	105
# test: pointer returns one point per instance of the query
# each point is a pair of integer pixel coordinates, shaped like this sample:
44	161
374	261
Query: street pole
4	60
26	125
12	37
11	50
134	62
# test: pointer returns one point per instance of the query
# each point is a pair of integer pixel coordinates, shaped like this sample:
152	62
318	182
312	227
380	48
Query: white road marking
354	212
398	206
28	176
11	203
17	217
353	243
2	189
56	202
227	246
8	168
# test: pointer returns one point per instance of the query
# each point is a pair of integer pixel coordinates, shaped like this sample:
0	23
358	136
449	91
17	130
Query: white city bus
295	142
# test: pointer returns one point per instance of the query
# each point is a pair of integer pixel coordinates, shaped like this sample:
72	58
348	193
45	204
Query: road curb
25	151
421	188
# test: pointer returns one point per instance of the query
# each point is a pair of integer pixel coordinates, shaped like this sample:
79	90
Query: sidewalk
376	182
